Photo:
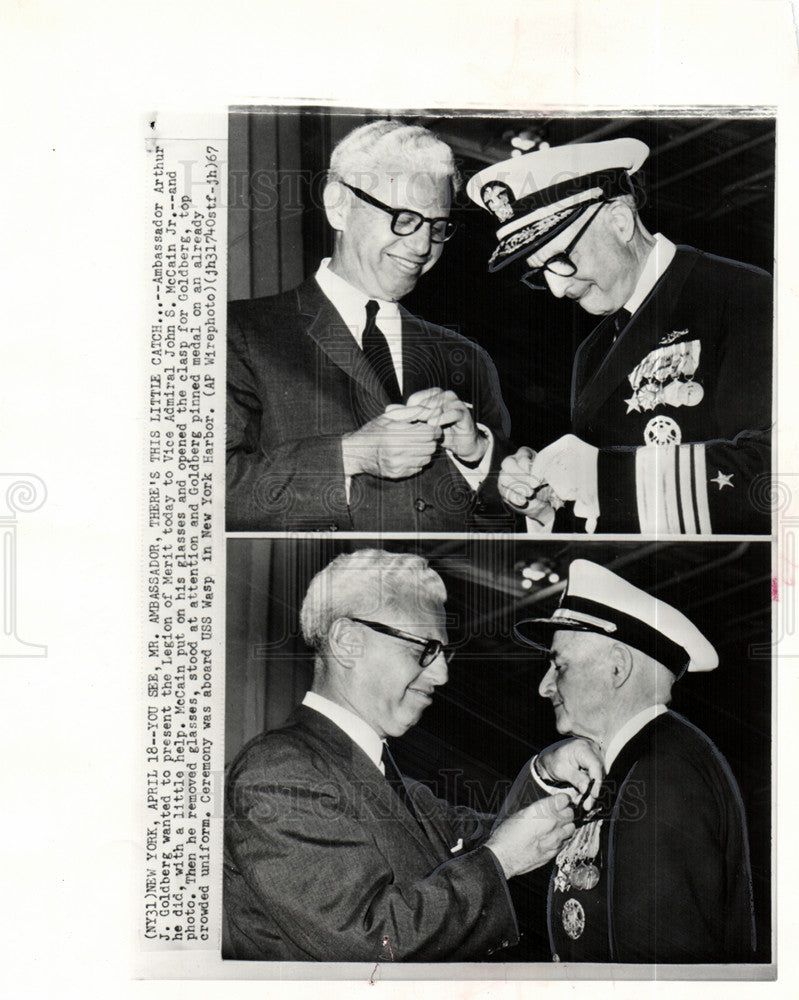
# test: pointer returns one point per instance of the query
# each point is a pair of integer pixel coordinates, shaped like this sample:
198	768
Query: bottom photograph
498	751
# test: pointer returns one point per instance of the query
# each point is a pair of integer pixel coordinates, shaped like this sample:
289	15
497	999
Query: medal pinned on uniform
575	865
573	918
672	394
665	377
669	338
691	393
584	875
662	430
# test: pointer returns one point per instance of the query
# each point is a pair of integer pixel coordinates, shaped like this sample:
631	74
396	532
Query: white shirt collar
350	303
359	732
628	730
660	256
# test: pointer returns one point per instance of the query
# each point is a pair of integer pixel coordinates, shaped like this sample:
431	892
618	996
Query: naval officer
659	871
671	392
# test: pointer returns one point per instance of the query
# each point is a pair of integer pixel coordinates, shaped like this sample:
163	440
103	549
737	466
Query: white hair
653	681
391	145
361	583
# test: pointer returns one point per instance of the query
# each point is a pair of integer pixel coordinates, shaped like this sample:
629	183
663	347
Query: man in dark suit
345	412
330	854
659	871
671	392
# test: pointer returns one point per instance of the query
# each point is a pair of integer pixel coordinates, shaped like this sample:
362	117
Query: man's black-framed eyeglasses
561	263
433	648
405	222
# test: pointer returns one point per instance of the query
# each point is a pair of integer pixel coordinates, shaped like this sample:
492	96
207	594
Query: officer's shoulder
678	749
713	267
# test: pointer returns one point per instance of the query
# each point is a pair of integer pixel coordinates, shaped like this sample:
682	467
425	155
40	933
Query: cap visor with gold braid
537	195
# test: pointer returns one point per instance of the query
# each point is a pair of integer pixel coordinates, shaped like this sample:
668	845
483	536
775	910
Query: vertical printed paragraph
182	666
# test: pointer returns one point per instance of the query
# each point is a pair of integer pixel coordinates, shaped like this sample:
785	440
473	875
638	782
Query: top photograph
446	322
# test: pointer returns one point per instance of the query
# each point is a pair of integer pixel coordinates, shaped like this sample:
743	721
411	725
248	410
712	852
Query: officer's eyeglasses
405	222
561	263
433	648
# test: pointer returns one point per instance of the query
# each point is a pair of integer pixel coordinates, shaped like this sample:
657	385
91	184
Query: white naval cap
537	195
597	600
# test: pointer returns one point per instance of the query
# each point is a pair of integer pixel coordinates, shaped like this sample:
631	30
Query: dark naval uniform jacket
680	404
323	860
674	881
297	382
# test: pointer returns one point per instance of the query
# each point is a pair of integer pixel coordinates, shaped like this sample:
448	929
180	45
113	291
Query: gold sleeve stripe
671	490
686	491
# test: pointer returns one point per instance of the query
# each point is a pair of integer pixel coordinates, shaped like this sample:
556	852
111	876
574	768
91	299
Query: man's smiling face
389	688
373	258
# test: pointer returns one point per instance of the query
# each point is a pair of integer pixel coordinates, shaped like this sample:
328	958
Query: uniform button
556	958
332	527
490	951
504	944
480	506
420	505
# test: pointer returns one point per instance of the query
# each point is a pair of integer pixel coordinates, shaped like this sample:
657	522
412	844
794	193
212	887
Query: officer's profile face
372	257
576	683
605	273
389	687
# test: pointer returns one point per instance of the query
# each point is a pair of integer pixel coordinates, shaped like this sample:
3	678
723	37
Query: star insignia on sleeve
723	479
632	404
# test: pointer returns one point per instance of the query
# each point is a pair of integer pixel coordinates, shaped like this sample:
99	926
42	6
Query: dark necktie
394	778
608	334
621	319
375	347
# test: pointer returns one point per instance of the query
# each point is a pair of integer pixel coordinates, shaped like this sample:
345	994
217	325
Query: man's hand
577	762
444	410
395	445
525	493
569	466
533	835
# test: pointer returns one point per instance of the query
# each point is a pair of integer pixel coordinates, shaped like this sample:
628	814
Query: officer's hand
397	444
444	409
533	835
523	491
576	761
569	466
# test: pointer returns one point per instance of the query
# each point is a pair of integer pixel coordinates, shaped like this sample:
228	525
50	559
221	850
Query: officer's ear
621	219
336	199
345	642
621	660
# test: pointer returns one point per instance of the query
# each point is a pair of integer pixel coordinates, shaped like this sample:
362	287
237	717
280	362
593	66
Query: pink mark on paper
775	589
386	944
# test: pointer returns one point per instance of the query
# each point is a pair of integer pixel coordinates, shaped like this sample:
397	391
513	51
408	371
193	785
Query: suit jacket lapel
327	329
374	798
634	342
